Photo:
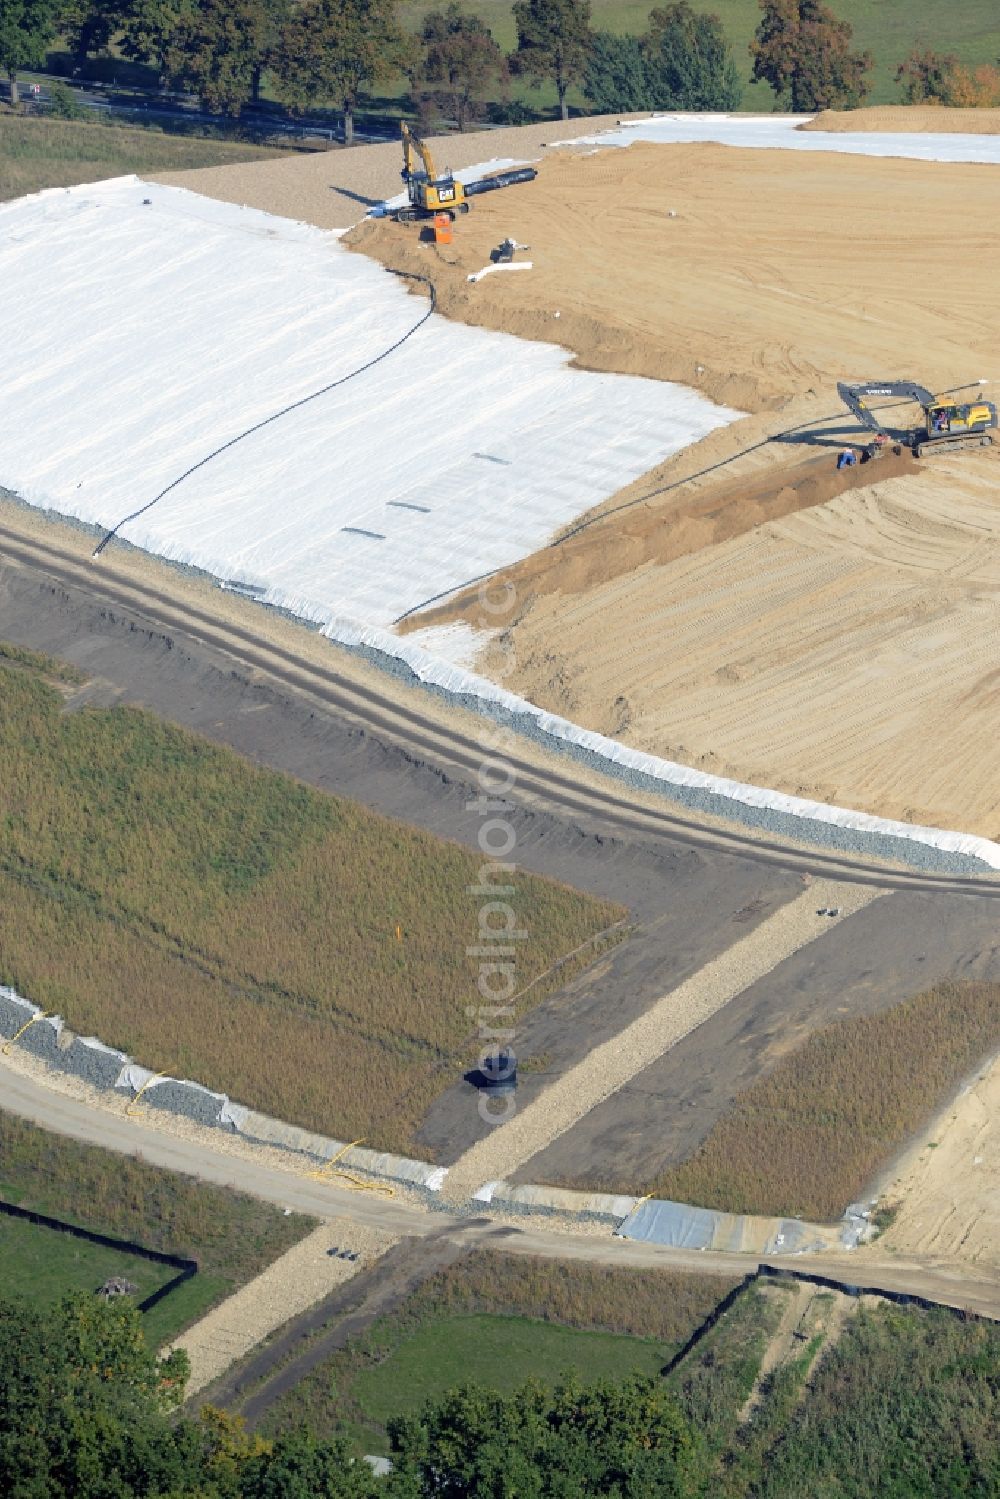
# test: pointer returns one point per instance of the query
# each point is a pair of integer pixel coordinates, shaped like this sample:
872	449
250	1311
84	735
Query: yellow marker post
354	1183
18	1034
130	1106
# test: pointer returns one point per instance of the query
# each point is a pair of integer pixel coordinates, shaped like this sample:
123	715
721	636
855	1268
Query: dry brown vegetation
807	1138
222	921
664	1304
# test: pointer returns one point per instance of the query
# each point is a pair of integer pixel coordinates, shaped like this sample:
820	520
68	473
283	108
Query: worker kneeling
847	459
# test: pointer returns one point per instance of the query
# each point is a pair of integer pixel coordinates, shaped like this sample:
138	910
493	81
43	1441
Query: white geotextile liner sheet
457	679
768	131
605	1204
148	335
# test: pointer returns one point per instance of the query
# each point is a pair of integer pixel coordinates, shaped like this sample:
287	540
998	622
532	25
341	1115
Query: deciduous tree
460	58
688	62
215	48
553	42
26	28
615	76
803	52
335	49
926	75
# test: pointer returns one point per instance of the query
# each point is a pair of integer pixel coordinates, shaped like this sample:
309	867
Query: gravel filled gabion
188	1099
766	820
92	1064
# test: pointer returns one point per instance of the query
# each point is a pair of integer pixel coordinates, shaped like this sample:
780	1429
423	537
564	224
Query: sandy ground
296	1281
847	651
781	271
609	1067
909	117
948	1184
844	649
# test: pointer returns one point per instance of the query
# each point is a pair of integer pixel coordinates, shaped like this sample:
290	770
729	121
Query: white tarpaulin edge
456	679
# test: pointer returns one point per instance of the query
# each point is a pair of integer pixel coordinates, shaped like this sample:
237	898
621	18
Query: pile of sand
909	118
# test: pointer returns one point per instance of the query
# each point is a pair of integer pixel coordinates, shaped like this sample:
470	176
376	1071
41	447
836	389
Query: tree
334	49
629	1439
803	52
215	48
926	75
26	28
688	63
615	76
460	59
88	26
553	42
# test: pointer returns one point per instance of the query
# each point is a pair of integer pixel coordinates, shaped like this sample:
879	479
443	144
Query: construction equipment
431	192
948	423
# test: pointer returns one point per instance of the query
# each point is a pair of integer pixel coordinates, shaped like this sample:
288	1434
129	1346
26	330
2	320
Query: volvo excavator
948	424
431	192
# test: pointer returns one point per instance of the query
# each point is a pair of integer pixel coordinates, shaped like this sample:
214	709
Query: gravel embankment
609	1067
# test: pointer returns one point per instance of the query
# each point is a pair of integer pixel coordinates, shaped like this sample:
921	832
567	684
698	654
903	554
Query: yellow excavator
947	423
431	192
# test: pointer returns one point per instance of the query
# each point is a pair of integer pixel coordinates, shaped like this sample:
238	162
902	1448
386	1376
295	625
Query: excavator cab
951	418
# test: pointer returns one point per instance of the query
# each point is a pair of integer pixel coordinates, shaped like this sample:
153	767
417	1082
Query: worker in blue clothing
847	459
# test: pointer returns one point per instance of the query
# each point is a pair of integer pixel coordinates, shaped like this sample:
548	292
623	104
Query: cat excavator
431	192
948	423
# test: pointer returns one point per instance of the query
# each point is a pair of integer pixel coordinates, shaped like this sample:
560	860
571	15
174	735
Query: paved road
435	738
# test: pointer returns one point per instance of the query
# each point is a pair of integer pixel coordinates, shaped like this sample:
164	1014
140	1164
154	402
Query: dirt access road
193	1154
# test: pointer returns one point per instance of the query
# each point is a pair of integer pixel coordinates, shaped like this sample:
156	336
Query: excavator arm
413	147
856	397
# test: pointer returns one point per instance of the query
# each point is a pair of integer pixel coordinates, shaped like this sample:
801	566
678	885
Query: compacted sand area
913	118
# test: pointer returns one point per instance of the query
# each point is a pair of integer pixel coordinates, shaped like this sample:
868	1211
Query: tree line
320	53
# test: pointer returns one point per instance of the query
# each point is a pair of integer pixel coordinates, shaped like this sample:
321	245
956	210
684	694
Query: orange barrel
442	228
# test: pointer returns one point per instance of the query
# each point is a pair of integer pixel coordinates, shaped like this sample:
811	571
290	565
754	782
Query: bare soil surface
779	272
948	1183
840	647
884	954
605	1070
909	117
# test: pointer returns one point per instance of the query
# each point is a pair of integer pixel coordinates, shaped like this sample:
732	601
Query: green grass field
497	1320
38	153
42	1264
232	1236
225	923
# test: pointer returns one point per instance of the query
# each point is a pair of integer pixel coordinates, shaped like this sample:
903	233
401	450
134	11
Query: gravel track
610	1066
286	1288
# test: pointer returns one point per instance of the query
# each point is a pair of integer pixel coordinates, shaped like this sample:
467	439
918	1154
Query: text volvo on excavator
948	424
431	192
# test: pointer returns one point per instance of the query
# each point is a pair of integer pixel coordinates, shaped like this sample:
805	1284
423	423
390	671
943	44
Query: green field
41	1264
497	1320
225	923
232	1236
36	154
